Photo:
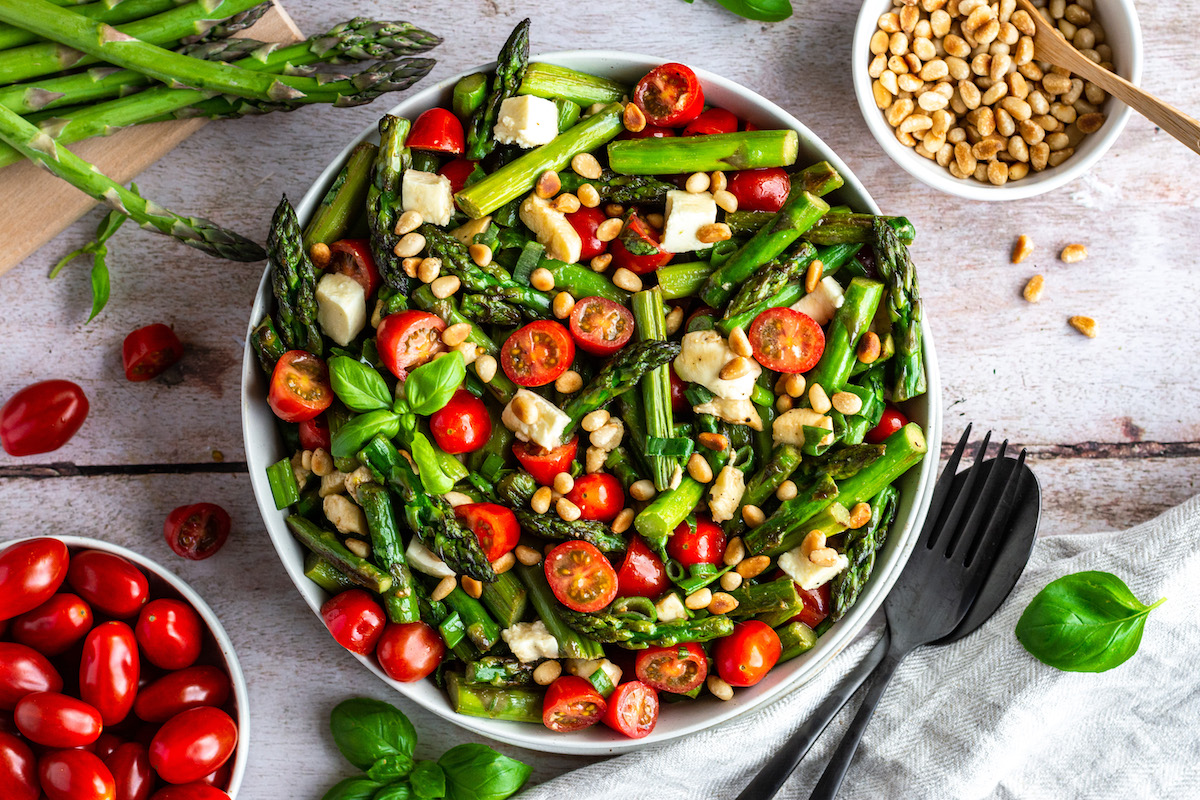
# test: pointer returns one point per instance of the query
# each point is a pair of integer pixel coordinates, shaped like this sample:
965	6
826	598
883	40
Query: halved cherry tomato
704	545
190	791
891	421
544	464
410	651
714	120
76	775
409	339
131	771
314	433
600	326
352	257
170	633
355	620
538	353
580	576
197	531
599	496
678	669
817	603
57	720
463	425
572	704
649	132
110	584
177	691
586	221
109	670
438	130
300	387
18	769
678	400
30	574
192	744
637	229
763	189
746	655
642	573
54	626
632	709
786	340
24	671
148	351
457	171
670	95
42	417
494	525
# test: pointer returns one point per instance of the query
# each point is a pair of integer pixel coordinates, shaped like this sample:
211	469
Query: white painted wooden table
1112	424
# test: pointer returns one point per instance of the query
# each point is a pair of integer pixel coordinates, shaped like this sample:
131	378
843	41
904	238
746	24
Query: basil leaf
477	772
353	789
1084	622
430	386
428	780
100	284
397	791
430	471
367	730
635	244
357	385
390	768
350	438
761	10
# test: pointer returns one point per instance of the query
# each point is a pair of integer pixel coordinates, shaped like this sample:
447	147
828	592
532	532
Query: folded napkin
982	718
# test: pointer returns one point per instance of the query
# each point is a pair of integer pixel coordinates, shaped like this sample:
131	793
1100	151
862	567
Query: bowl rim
241	693
1048	180
536	737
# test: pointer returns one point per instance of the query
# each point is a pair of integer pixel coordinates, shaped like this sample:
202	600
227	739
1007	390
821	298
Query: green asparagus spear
637	632
388	552
505	598
570	643
819	179
620	464
267	345
437	614
860	548
481	629
656	385
904	308
551	81
842	462
764	598
785	458
500	671
772	276
659	520
582	281
469	95
791	514
517	488
622	189
493	279
795	638
683	280
510	69
851	321
325	575
293	278
475	700
568	113
112	13
383	199
855	229
721	151
344	200
622	373
325	544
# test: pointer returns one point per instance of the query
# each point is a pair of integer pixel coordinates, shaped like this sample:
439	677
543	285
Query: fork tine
950	523
981	504
941	489
998	522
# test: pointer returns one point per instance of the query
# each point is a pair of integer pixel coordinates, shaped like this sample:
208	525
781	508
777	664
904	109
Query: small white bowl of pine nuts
953	93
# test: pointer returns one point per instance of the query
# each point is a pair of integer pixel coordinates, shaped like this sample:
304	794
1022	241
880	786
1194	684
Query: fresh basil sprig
363	428
477	772
367	730
429	467
428	780
98	250
358	386
1084	622
761	10
429	387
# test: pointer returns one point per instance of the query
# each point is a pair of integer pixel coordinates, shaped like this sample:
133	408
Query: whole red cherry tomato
175	692
57	720
314	433
817	603
190	791
355	620
300	386
714	120
586	221
786	340
170	633
76	775
600	326
544	464
220	777
891	421
632	709
463	425
580	576
149	351
678	399
409	339
494	525
30	574
669	95
42	417
352	258
642	573
763	189
23	671
106	744
599	496
537	353
18	769
410	651
438	130
457	171
638	230
109	671
110	584
679	668
704	545
131	771
572	704
54	626
192	744
197	531
745	656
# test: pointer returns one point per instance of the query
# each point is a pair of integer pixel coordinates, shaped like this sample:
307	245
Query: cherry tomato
131	771
891	421
170	633
632	709
649	132
638	229
438	130
30	574
109	583
704	545
76	775
190	791
494	525
300	386
192	744
642	573
42	417
24	671
109	670
544	464
314	433
786	340
408	340
749	126
537	353
679	668
197	531
746	655
57	720
457	171
410	651
678	399
175	692
572	704
54	626
219	778
355	620
599	496
352	258
580	576
670	95
106	744
18	769
149	351
763	189
817	603
463	425
586	221
600	326
714	120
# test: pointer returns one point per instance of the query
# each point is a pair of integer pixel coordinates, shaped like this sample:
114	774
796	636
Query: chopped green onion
602	682
282	479
673	447
452	629
531	254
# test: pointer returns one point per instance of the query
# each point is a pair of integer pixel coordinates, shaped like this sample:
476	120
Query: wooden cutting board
35	206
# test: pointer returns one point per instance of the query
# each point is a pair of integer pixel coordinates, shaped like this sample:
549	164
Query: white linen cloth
982	718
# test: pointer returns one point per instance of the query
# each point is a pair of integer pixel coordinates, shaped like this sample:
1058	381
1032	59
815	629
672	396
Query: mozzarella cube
821	303
530	641
527	121
422	559
547	428
687	212
726	493
796	564
429	195
789	426
737	412
552	229
700	359
341	307
671	609
585	668
345	516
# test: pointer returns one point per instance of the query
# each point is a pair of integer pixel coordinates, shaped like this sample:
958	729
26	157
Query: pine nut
812	276
674	320
1073	253
429	269
823	557
614	210
567	510
569	382
585	165
564	483
1090	123
1033	290
321	462
860	515
548	184
504	563
409	245
609	436
547	673
609	229
540	502
697	182
699	599
445	286
1085	325
633	118
753	567
541	279
818	399
735	368
358	547
722	603
410	265
524	409
794	385
699	468
594	420
563	303
717	182
593	460
472	586
528	556
726	200
600	262
714	441
738	342
655	220
320	255
847	403
642	490
735	551
567	203
730	581
786	491
783	403
623	521
456	334
627	280
719	688
713	232
485	367
408	222
481	254
753	516
588	196
445	586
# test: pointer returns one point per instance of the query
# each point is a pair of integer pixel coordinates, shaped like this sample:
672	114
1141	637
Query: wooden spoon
1049	45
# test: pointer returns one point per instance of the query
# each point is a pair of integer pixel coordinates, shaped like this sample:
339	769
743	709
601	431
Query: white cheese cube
738	412
700	360
527	121
422	559
341	307
547	427
552	229
585	668
429	195
796	564
821	303
530	641
789	426
726	493
345	516
670	609
687	212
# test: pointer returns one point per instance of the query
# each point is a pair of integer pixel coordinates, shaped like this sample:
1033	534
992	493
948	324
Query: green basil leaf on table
354	434
760	10
1084	622
391	768
367	730
429	469
428	781
357	385
396	791
430	386
477	772
353	789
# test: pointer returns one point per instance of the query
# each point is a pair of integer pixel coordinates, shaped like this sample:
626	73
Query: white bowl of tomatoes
116	679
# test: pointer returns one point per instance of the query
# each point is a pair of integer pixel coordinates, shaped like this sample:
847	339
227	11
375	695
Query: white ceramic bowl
1122	32
166	584
264	447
